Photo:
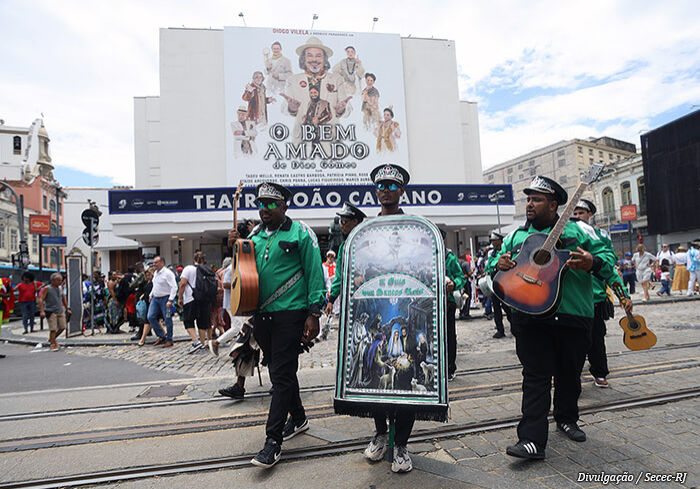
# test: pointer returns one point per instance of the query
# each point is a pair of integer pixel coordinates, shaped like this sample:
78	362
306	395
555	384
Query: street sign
53	241
628	213
86	238
619	228
89	217
39	224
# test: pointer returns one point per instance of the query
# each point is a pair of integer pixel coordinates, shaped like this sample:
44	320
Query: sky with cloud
541	71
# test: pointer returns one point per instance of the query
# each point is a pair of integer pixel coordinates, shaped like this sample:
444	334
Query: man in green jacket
350	217
291	291
493	303
603	308
455	281
554	346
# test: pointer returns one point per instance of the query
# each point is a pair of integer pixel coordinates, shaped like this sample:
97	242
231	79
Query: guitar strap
284	288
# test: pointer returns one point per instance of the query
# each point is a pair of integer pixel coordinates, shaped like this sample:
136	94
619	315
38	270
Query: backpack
206	285
123	288
142	310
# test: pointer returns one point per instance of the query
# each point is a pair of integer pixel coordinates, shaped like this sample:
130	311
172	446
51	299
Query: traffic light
91	220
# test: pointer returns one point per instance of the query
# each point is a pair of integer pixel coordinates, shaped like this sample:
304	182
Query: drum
485	285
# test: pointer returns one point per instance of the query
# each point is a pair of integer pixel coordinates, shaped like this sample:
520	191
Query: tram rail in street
334	448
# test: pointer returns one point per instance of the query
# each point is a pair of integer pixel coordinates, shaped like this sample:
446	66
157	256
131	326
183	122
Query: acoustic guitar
244	272
636	335
532	286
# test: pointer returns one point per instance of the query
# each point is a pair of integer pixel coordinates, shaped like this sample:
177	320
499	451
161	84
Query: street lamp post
495	197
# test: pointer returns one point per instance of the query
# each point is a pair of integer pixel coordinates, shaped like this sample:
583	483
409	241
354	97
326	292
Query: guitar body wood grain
636	334
244	279
530	287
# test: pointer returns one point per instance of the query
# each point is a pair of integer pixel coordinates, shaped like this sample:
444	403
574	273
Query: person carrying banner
556	345
292	292
603	308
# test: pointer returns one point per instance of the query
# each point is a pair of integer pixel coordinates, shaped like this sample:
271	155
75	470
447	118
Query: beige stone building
563	161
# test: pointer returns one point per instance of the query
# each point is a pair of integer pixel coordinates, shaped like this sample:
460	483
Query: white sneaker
402	461
196	345
377	447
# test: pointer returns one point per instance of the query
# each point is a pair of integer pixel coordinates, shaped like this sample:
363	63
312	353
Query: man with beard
314	60
277	67
350	69
317	112
556	345
291	291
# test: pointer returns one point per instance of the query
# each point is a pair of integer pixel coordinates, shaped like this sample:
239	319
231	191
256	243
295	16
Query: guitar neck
620	294
564	218
235	204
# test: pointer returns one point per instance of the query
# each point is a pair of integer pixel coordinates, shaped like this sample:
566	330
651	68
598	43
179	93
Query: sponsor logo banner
221	199
39	224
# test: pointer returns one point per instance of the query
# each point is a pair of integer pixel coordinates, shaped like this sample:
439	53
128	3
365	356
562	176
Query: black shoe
269	455
499	334
526	449
451	376
488	317
291	430
572	431
234	392
135	337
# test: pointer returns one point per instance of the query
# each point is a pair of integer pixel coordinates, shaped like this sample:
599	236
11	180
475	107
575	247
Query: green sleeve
313	270
604	258
338	278
506	246
454	271
614	277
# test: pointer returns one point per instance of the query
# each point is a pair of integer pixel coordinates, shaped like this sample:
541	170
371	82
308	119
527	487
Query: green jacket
291	248
338	278
490	267
454	272
577	287
600	284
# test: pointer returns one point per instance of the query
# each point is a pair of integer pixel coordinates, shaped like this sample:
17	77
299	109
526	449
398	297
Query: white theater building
178	205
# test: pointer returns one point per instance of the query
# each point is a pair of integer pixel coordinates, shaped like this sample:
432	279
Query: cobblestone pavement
672	322
639	442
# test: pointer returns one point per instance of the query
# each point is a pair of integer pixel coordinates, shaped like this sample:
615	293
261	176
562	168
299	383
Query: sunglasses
270	205
391	187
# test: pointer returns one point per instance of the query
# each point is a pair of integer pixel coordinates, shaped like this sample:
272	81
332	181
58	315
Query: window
618	157
14	242
59	208
532	163
490	177
608	201
600	154
532	171
54	229
626	193
590	161
520	176
580	149
562	162
610	155
510	179
510	170
590	151
52	205
17	145
43	200
642	192
520	166
561	152
35	244
2	235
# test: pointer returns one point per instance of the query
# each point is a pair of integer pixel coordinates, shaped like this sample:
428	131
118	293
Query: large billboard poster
312	107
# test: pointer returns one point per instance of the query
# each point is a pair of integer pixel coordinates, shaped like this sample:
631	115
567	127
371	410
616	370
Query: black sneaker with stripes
572	431
526	449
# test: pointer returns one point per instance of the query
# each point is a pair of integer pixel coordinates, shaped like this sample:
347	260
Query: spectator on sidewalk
143	301
162	296
28	291
665	255
693	265
644	261
665	281
195	309
99	293
629	272
53	306
680	270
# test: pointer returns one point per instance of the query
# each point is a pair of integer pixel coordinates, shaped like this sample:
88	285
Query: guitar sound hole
542	257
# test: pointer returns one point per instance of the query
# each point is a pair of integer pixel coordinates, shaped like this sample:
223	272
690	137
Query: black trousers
464	312
279	336
597	356
547	351
629	281
403	424
451	338
497	314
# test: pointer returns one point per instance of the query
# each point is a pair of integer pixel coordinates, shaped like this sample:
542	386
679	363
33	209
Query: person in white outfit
693	265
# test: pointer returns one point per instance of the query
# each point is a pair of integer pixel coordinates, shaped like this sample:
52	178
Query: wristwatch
315	311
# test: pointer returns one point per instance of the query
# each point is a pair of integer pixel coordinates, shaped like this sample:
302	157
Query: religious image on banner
312	107
392	348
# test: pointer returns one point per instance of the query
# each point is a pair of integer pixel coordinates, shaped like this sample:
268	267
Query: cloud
570	69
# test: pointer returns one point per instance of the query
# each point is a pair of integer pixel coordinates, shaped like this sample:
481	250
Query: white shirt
665	255
680	257
189	273
228	274
164	284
